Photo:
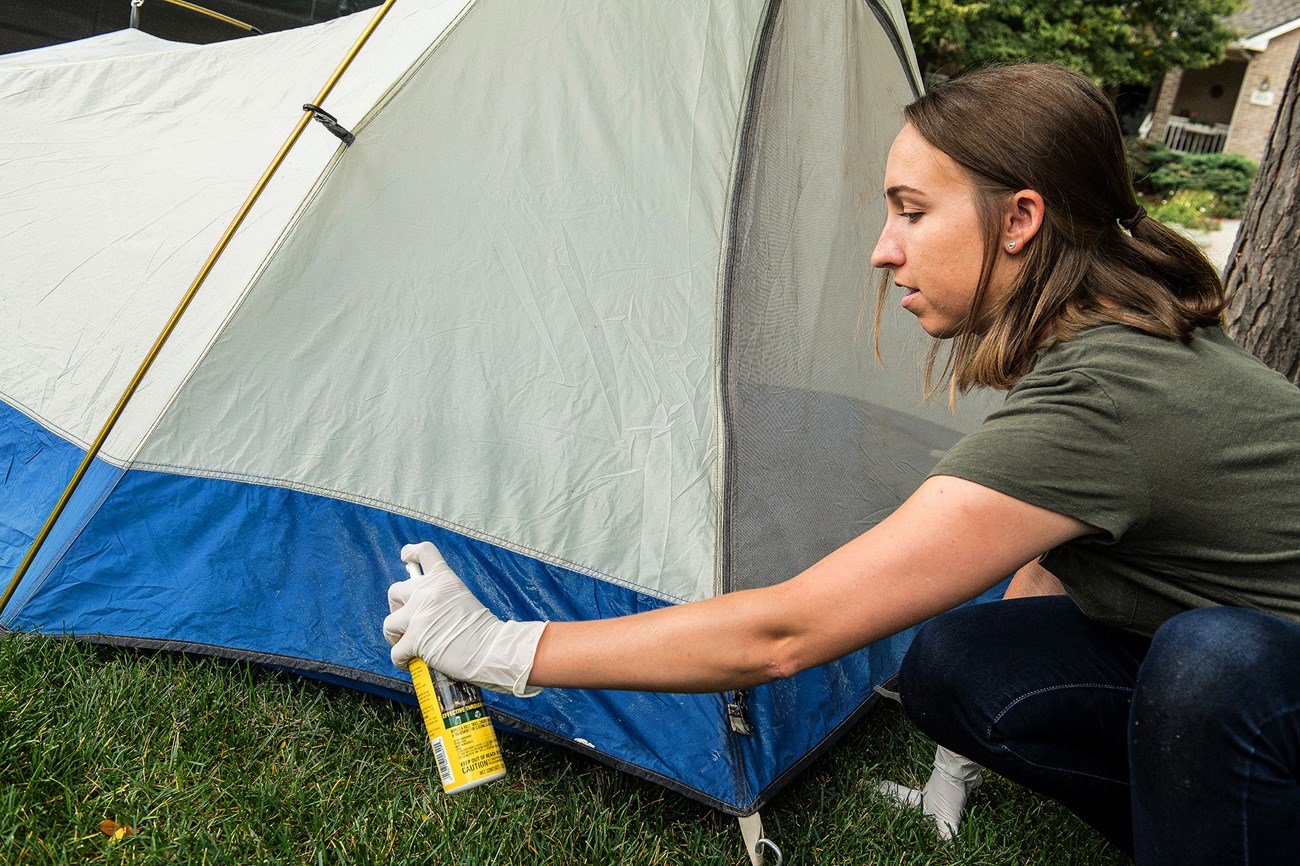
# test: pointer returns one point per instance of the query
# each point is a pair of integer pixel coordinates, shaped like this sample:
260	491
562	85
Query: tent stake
97	444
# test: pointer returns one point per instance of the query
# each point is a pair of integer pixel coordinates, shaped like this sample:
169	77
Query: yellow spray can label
460	731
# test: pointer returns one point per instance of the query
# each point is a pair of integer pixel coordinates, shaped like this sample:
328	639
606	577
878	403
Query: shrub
1186	207
1227	175
1146	156
1159	172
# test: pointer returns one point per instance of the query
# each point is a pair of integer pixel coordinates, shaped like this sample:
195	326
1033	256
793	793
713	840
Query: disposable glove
436	617
944	796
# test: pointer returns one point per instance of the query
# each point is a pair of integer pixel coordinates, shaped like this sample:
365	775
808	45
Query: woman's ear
1024	218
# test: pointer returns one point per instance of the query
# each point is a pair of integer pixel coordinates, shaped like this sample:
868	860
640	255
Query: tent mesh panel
821	443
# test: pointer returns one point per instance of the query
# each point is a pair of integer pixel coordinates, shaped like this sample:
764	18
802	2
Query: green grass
221	763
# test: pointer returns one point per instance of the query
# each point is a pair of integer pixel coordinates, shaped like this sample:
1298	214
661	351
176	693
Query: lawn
213	762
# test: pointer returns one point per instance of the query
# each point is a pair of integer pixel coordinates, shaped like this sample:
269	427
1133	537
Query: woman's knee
1214	656
1214	735
971	649
940	662
955	674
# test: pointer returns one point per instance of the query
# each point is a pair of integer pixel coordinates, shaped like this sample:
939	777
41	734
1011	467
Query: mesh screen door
821	443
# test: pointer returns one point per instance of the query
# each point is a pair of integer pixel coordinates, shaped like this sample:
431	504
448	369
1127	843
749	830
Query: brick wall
1164	104
1252	123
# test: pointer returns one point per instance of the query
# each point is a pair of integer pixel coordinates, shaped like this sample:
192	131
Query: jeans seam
1055	688
988	732
1005	749
1256	736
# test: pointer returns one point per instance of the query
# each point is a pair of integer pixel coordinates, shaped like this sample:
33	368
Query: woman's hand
434	616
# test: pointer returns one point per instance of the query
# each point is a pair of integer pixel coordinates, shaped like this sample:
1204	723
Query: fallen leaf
111	828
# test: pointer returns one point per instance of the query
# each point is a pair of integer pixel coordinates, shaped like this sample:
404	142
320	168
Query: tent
581	303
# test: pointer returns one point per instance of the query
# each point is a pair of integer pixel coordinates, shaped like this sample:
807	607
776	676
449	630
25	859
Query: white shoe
944	796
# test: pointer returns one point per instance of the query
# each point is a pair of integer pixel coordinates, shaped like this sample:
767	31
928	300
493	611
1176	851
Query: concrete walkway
1217	243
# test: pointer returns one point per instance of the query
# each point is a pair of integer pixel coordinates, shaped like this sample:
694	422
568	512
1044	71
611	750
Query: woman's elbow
782	660
776	646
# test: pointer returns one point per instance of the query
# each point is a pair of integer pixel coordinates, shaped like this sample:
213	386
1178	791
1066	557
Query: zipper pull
737	715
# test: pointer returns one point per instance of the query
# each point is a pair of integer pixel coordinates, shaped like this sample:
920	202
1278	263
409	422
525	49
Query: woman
1149	466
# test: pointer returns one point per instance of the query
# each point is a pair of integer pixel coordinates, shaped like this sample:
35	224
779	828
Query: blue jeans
1181	749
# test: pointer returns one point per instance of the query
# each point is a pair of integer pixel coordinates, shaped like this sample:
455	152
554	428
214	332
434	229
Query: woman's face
933	238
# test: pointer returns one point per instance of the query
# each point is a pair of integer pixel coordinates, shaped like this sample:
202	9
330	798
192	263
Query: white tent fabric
120	173
119	43
566	258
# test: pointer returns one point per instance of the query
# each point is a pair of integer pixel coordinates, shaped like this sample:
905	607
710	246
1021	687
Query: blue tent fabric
175	563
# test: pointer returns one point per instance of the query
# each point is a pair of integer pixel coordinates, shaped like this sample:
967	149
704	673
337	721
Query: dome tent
580	304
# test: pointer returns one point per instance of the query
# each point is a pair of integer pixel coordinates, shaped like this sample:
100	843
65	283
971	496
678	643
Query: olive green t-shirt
1186	457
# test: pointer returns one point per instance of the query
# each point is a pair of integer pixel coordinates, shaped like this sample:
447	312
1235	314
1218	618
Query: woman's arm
948	542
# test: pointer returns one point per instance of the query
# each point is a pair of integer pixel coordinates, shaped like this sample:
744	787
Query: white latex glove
436	617
944	796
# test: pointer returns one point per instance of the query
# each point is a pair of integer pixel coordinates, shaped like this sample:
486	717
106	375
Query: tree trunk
1263	275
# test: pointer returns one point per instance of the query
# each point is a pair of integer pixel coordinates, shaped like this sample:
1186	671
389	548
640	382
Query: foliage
1145	157
1227	175
219	763
1112	41
1186	207
1214	184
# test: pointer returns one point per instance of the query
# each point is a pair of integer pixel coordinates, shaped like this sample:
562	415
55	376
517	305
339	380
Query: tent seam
728	264
49	425
56	555
312	194
890	26
394	508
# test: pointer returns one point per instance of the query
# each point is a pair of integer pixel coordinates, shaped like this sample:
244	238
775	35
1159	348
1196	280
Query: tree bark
1263	274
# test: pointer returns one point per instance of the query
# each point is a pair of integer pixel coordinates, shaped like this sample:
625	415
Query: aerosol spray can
464	744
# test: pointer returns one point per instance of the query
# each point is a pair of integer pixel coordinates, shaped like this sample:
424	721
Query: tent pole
220	248
201	10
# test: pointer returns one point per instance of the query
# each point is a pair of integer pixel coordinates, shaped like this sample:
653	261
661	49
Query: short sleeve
1058	442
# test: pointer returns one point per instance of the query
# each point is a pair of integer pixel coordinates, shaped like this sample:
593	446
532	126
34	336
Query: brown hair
1049	129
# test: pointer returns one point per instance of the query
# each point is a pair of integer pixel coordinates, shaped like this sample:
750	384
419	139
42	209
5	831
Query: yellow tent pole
203	10
220	248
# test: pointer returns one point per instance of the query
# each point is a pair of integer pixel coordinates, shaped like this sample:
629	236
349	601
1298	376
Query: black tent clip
330	122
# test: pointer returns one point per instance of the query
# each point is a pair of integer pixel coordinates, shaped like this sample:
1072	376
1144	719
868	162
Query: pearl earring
1011	245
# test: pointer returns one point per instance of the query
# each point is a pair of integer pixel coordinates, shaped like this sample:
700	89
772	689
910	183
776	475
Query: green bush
1227	175
1159	172
1186	207
1146	156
